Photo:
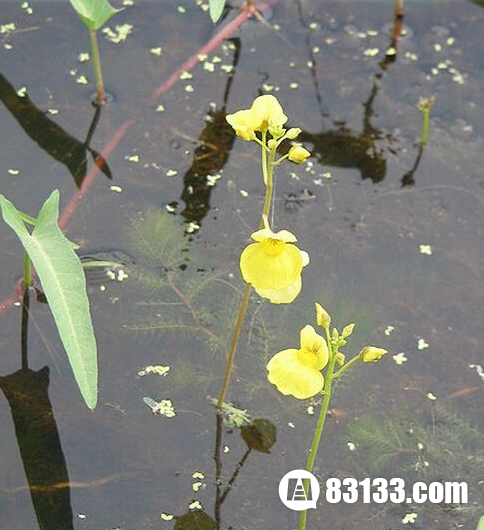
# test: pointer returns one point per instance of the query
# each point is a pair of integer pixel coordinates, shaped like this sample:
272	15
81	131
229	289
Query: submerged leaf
94	13
64	284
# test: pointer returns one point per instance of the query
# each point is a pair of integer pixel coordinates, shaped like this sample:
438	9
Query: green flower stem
27	271
269	185
28	219
346	366
244	304
319	427
279	160
425	128
98	74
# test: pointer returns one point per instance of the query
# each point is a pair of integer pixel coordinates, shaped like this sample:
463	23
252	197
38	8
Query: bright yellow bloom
371	354
272	262
298	154
298	372
265	113
288	294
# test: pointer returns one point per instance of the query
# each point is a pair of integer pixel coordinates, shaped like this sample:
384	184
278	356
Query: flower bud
271	143
371	354
322	317
347	330
298	154
293	133
340	358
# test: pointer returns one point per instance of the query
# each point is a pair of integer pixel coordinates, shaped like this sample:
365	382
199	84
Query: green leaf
480	524
64	284
94	13
216	9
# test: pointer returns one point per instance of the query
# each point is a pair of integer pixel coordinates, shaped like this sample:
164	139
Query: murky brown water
396	244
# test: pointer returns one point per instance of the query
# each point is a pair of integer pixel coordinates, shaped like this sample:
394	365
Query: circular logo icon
299	490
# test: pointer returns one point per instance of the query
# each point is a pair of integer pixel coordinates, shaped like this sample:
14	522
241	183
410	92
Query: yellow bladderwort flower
265	113
272	263
371	354
298	154
298	372
288	294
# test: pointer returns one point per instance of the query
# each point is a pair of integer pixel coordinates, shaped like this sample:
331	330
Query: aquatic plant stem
425	128
27	271
98	74
267	170
320	425
244	304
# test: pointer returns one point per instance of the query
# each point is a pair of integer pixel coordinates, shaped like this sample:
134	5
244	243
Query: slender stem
267	169
346	366
27	271
425	129
264	149
244	304
98	74
269	184
24	338
319	427
28	219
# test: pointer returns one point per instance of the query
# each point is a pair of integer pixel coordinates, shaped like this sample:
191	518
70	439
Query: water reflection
27	393
341	146
215	142
50	137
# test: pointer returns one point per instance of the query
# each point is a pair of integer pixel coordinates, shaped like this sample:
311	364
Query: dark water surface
395	237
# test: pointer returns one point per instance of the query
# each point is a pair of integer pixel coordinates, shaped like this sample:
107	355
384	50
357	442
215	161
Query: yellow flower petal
314	350
291	377
244	122
371	354
266	268
266	233
298	154
269	112
282	296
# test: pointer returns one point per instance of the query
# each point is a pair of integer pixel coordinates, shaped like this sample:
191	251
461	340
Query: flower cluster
297	372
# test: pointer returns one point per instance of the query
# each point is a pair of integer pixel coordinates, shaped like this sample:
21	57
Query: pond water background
396	244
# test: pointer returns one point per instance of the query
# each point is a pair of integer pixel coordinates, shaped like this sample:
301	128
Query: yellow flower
288	294
371	354
272	262
298	372
298	154
265	113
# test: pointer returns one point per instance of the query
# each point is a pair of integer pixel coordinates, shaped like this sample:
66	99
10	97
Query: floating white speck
22	92
82	80
431	396
437	47
450	41
227	68
202	57
171	173
388	330
290	424
216	59
81	515
181	9
117	189
169	208
400	358
212	179
293	85
166	516
422	345
196	486
186	75
160	108
156	369
410	518
83	57
195	505
192	227
13	171
119	34
209	67
371	52
198	474
121	275
351	446
316	49
226	447
426	249
156	51
478	368
7	28
310	410
102	288
244	193
189	88
132	158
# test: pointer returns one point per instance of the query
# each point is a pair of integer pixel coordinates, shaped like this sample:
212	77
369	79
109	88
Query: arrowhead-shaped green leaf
216	9
64	284
94	13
